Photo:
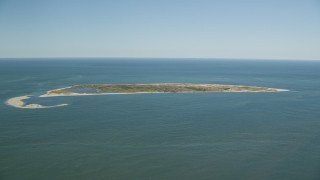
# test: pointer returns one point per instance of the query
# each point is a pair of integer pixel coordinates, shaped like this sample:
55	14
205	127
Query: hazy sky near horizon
264	29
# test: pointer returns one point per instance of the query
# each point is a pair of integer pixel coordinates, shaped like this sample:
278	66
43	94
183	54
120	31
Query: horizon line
190	58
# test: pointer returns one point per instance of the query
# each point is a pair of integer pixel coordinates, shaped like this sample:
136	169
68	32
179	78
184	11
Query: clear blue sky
264	29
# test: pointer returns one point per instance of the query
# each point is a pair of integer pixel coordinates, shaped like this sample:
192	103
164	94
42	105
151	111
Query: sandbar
18	102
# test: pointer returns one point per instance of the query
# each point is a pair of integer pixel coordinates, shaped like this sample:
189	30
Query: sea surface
242	136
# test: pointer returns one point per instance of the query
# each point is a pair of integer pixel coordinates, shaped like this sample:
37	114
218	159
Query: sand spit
18	102
282	90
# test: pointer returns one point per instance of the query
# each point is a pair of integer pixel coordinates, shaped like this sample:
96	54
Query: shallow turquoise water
161	136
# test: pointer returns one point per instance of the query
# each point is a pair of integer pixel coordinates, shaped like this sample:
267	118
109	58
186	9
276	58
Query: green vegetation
135	88
61	91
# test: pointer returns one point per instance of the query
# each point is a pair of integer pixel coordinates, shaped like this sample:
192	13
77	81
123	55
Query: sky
253	29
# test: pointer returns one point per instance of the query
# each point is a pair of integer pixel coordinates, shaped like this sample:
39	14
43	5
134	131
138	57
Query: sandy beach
18	102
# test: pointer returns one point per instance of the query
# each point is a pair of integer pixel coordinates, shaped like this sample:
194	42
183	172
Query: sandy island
109	89
18	102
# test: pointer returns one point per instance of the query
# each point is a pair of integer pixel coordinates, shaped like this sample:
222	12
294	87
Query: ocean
174	136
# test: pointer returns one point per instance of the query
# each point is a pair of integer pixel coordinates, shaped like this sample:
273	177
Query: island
104	89
96	89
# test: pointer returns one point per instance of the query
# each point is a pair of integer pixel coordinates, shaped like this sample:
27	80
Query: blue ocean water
161	136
